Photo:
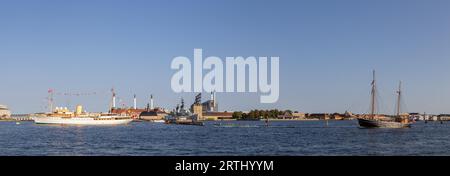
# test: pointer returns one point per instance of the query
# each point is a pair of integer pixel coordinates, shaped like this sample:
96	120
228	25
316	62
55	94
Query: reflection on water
224	138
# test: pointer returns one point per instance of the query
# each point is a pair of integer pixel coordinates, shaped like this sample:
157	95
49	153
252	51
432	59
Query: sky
327	50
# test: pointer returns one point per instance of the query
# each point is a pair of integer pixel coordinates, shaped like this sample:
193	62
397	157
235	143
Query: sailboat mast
373	99
399	92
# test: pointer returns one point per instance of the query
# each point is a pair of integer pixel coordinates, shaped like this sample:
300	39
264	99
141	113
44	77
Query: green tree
288	112
237	115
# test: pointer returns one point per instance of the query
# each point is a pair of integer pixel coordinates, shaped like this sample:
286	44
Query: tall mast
50	100
373	99
399	92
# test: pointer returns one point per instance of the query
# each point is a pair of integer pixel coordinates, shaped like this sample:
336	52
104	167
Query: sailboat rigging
377	121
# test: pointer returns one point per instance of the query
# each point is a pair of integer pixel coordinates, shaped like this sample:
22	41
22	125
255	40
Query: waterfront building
213	116
417	116
136	112
153	115
299	115
197	109
209	109
128	111
333	116
320	116
149	116
4	112
444	117
338	116
293	116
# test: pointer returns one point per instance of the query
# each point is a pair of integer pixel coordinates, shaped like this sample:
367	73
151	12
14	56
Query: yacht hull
369	123
80	121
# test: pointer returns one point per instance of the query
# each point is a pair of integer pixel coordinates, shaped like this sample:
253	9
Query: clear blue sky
327	49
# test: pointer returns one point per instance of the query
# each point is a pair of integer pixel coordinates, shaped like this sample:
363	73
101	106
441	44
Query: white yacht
62	116
102	120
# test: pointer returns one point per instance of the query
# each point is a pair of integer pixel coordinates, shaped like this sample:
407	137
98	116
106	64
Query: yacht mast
373	99
399	92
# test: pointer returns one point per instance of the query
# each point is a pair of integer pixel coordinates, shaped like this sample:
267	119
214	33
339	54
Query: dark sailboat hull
369	123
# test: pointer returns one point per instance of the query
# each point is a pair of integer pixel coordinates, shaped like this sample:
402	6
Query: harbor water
294	138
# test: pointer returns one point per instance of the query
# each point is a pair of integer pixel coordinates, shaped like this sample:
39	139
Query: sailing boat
377	121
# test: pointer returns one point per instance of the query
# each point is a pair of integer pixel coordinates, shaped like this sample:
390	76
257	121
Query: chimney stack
114	101
135	102
151	103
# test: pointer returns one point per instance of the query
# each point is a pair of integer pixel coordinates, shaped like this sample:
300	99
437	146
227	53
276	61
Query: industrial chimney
151	103
135	102
114	101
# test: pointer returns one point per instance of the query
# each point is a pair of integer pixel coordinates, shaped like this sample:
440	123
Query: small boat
158	121
378	121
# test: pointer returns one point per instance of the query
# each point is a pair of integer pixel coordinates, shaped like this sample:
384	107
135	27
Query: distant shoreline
229	120
8	120
284	120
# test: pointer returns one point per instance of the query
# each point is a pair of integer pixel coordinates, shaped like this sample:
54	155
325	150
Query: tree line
261	114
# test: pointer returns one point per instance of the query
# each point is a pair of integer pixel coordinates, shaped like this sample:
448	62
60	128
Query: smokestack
114	101
151	102
135	102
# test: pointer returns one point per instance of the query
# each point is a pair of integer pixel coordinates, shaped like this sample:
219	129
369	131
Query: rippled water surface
242	138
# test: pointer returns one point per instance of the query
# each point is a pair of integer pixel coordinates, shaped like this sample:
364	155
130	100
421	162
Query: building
444	117
212	116
299	115
338	116
211	105
149	115
135	112
4	112
197	109
209	110
138	113
293	116
152	115
320	116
